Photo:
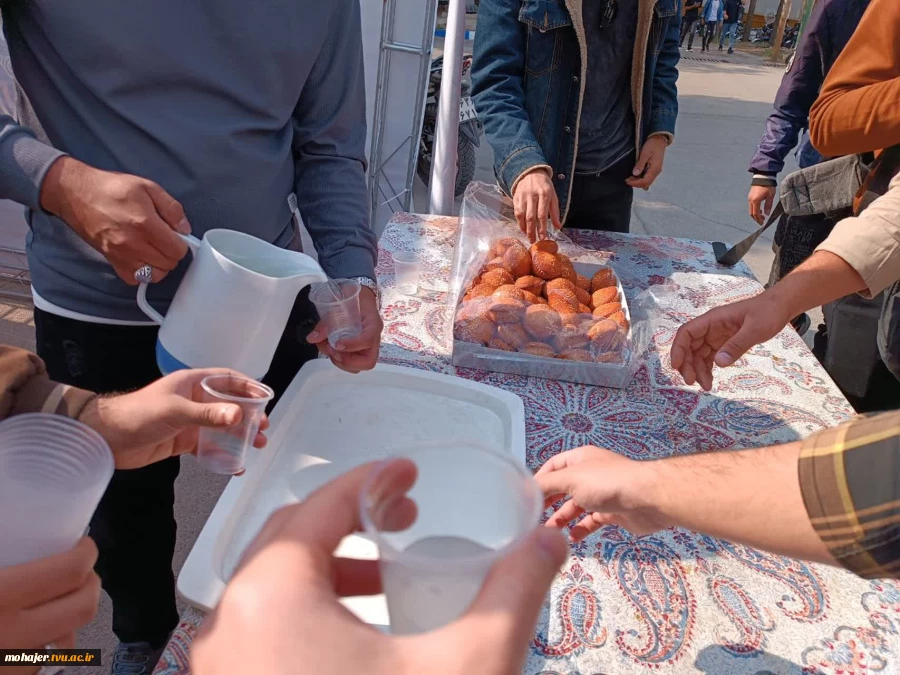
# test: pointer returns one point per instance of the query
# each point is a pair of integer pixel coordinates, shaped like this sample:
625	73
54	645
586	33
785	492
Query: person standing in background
829	28
689	22
713	13
732	15
579	103
142	121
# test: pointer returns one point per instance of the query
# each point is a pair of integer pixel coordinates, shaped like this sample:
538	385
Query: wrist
646	490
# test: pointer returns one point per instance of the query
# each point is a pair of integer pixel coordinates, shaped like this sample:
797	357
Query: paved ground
701	194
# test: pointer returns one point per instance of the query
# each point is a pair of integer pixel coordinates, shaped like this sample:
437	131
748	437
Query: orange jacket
25	387
858	109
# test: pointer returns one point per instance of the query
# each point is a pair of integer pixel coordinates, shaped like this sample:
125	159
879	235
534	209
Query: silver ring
144	274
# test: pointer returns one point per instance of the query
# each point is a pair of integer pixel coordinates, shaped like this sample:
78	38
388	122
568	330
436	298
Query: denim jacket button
568	130
575	79
561	176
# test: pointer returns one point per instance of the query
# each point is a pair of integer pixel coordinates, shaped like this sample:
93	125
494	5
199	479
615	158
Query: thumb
191	414
168	208
643	161
737	346
508	606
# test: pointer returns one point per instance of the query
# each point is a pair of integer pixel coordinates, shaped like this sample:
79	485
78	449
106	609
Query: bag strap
732	256
878	180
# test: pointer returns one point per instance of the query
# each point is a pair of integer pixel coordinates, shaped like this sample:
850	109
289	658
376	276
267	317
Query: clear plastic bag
531	316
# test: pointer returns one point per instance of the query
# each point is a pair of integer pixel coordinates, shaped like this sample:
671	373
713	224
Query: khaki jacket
26	388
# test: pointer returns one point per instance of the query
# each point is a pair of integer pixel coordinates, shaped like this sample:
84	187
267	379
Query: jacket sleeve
498	81
664	106
329	151
870	242
857	110
25	387
799	89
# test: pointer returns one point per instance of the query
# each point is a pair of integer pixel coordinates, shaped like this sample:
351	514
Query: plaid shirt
850	479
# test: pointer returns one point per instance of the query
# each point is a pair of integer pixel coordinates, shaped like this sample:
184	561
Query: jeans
602	201
134	525
729	29
687	29
709	30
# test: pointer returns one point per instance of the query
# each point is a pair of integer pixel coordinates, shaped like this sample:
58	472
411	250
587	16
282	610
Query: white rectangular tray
328	422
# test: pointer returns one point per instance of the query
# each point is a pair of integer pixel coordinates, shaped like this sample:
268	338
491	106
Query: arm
724	499
498	78
26	388
857	108
664	107
24	163
796	94
870	242
723	335
329	151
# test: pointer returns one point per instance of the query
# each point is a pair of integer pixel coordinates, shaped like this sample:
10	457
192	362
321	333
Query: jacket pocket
543	19
663	13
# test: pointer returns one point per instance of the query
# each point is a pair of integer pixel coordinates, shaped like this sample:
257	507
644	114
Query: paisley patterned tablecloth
676	602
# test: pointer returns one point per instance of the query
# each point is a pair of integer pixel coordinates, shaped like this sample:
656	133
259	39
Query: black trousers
134	525
602	201
687	29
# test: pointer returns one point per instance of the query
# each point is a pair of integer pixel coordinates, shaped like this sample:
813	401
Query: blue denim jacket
528	80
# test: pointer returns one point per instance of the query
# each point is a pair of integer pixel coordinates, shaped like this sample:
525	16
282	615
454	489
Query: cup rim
318	288
520	468
207	386
406	257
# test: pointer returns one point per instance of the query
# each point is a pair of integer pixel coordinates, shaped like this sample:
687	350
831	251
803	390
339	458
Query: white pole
446	133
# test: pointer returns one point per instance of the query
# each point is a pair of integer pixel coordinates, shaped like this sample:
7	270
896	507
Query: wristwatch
372	285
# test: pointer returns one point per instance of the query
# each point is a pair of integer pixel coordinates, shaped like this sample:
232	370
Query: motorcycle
470	128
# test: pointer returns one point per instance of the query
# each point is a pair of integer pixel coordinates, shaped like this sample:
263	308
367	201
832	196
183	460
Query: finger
506	610
367	339
356	577
705	377
739	344
543	211
170	248
531	217
63	615
359	361
565	514
770	200
685	337
168	208
41	580
559	482
125	272
519	210
589	524
555	463
185	414
643	183
642	162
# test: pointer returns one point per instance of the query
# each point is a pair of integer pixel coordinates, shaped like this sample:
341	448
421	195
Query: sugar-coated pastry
559	284
545	245
607	310
563	301
476	329
604	296
539	349
497	278
542	322
546	265
513	334
505	309
517	262
531	283
584	297
583	282
501	245
603	279
583	355
497	343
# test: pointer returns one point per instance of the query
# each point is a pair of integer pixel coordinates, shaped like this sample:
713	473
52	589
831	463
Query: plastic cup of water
337	302
474	505
53	472
407	267
224	449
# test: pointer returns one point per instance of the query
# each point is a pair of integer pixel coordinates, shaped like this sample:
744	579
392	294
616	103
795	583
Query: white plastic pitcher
232	305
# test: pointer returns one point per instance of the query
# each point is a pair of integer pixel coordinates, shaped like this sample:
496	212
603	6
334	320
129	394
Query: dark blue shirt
606	132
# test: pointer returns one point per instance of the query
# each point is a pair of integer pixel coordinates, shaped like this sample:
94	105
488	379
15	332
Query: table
675	602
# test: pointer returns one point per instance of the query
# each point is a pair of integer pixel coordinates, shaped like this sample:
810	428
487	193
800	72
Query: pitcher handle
193	244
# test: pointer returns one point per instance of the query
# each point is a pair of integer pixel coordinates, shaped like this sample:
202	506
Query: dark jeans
134	525
687	29
709	31
602	201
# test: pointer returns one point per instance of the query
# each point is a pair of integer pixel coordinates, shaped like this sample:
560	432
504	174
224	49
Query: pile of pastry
532	301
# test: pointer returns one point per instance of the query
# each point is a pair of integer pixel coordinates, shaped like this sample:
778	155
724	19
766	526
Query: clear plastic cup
337	302
474	504
407	267
224	450
53	472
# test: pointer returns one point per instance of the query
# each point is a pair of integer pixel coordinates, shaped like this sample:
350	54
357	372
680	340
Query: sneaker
135	658
730	50
801	324
690	49
721	48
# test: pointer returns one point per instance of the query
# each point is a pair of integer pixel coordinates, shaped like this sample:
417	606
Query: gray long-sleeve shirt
230	106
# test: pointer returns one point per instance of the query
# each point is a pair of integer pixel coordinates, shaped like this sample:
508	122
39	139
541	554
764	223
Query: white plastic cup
474	504
224	449
337	302
53	473
407	267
